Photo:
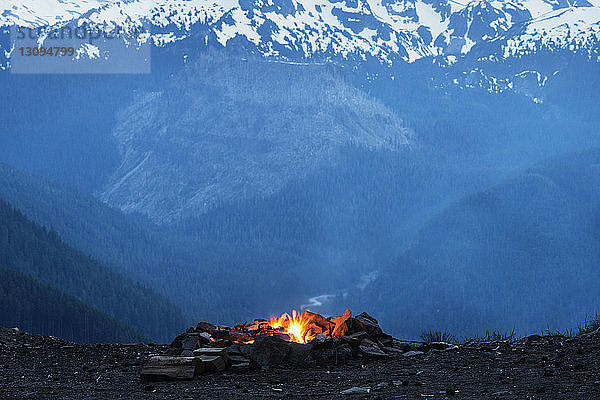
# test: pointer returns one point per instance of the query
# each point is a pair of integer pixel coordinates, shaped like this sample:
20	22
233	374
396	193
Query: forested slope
525	254
30	249
37	308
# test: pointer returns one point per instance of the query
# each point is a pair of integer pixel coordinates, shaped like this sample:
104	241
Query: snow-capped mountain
307	29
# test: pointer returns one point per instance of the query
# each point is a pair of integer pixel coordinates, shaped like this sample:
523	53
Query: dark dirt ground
549	367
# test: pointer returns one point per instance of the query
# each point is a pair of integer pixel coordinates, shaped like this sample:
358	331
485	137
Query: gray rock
438	345
371	325
190	341
356	390
236	359
240	367
173	351
355	338
205	337
332	356
171	368
402	346
372	352
234	350
412	353
319	339
368	343
299	353
187	353
268	351
392	350
211	351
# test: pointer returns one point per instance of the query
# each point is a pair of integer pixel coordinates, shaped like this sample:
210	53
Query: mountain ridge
389	31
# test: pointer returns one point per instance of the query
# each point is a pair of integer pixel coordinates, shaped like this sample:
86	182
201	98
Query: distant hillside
523	254
197	275
225	129
40	253
37	308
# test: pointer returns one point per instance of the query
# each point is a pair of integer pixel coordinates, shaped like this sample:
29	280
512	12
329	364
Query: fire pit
299	340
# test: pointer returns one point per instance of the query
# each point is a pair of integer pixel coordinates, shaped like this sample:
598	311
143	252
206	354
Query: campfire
299	328
297	339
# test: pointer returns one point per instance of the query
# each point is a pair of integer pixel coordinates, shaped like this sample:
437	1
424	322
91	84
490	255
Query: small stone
211	351
190	342
240	367
368	343
319	339
356	390
355	338
438	345
236	359
392	350
412	353
450	391
205	337
372	352
150	388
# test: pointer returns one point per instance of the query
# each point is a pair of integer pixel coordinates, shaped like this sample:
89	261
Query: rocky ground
549	367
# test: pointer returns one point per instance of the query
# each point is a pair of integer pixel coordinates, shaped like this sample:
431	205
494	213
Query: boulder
171	368
190	341
332	356
267	351
370	324
299	353
213	363
206	327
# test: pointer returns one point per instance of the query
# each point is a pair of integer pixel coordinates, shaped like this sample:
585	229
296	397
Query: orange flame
297	327
303	328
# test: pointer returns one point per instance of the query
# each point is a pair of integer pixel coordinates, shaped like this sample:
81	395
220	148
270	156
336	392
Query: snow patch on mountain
573	28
